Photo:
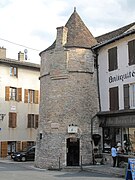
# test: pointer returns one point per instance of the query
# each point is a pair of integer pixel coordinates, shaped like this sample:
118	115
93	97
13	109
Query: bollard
59	163
81	164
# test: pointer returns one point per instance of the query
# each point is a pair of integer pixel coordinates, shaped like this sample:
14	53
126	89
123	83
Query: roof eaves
49	48
18	63
113	39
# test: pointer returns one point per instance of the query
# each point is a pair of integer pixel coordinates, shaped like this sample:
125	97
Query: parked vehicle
28	155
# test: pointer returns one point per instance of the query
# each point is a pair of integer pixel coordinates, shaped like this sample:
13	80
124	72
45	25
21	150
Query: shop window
30	143
106	140
33	121
13	93
114	98
14	71
11	147
131	52
31	96
112	59
12	120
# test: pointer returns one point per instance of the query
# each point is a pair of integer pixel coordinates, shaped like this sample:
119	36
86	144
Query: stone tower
69	97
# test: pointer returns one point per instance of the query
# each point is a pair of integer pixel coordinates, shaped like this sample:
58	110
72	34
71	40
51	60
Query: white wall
123	68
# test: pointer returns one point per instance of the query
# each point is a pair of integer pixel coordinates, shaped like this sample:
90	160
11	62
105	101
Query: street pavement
27	170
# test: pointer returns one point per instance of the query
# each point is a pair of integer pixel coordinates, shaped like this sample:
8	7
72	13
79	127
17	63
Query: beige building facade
19	103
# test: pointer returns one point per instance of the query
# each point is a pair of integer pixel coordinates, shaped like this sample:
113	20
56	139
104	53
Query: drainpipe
95	53
97	67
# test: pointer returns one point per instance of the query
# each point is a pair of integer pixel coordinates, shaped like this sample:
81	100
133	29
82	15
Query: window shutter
12	120
114	99
19	94
30	121
36	97
4	149
7	91
31	94
36	120
17	72
126	96
24	145
112	56
18	145
26	96
131	52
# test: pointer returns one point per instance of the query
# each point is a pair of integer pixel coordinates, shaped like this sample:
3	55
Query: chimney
2	53
61	38
20	56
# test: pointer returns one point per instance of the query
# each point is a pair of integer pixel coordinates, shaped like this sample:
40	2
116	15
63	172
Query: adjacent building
19	103
116	70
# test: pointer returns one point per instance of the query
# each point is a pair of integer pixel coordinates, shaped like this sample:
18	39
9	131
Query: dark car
28	155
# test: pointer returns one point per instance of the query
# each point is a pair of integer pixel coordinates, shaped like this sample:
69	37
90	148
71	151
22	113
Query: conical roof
78	34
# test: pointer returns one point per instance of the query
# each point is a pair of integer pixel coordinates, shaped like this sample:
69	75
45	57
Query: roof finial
74	9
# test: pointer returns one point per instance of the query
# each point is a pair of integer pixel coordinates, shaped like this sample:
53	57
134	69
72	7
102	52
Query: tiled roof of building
78	34
20	63
127	33
113	34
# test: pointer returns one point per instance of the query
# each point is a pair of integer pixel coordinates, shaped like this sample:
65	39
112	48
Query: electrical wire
19	44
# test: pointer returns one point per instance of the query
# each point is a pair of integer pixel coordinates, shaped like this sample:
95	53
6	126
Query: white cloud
33	22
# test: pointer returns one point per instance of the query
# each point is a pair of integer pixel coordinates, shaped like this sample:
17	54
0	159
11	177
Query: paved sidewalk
104	169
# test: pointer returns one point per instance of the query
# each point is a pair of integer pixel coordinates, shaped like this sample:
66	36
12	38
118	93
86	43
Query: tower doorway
73	151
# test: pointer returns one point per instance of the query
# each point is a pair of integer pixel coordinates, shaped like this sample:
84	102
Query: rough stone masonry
69	98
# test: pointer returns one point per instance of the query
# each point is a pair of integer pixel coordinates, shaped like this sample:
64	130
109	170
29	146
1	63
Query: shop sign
72	129
122	77
13	108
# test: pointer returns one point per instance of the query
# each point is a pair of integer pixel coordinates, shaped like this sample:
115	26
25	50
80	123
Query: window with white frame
132	95
13	93
32	121
31	96
13	71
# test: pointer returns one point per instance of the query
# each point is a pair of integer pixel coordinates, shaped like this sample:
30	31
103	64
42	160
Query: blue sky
33	23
